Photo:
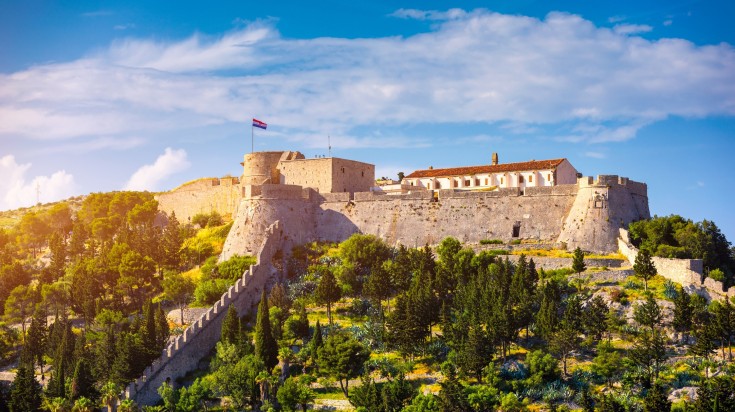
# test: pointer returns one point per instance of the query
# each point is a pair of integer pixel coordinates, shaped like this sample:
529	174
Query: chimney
431	167
495	158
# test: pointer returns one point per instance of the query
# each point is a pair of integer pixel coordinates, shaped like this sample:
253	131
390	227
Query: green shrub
210	291
717	274
515	242
491	242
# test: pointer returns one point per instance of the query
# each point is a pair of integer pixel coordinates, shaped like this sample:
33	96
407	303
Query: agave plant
83	405
128	405
56	405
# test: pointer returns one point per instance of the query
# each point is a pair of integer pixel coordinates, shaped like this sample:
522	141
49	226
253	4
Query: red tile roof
500	168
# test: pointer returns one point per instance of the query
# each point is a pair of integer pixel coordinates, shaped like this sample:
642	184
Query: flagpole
252	138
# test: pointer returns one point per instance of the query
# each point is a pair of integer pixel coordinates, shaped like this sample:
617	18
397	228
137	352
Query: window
455	183
477	182
520	178
486	181
438	185
501	180
548	177
428	185
467	183
343	170
530	179
362	173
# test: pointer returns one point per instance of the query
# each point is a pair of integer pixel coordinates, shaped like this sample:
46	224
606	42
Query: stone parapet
182	356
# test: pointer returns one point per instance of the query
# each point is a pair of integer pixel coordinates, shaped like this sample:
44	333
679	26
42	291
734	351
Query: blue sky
99	96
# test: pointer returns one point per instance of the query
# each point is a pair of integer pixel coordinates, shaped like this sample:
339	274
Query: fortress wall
335	197
184	354
602	206
352	176
282	192
261	167
687	272
468	216
254	215
202	196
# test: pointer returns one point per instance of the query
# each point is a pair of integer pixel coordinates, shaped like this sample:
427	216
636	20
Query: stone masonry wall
416	219
601	208
687	272
184	354
202	196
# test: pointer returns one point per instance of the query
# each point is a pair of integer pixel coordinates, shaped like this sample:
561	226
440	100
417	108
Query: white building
495	176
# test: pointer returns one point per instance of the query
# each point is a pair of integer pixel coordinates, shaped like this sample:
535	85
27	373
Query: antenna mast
329	140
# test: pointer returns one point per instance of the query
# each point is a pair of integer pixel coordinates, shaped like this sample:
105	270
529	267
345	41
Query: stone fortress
329	199
283	199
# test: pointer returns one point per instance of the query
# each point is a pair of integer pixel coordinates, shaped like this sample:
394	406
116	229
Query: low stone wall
687	272
547	263
184	354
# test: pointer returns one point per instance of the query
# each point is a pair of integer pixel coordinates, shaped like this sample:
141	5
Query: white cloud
429	14
595	155
16	192
471	67
632	28
125	26
148	177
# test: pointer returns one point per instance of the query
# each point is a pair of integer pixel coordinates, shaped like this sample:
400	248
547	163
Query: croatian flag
259	124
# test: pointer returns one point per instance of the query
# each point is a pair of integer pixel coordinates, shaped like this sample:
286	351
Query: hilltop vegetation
84	284
676	237
358	325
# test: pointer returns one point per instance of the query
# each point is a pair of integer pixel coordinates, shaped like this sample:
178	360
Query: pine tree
578	265
266	348
327	292
649	313
547	317
643	266
231	327
682	322
171	243
25	392
656	400
476	352
452	397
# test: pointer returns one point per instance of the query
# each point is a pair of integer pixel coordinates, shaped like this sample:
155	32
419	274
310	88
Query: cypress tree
231	327
25	392
56	385
316	341
37	336
149	332
162	330
82	383
266	348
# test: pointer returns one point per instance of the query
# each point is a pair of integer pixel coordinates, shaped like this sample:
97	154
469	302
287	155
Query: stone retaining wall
687	272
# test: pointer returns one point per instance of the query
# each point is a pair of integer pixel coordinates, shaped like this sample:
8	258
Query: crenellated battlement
182	355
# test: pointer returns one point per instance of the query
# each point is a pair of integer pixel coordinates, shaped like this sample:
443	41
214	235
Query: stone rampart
603	206
564	214
184	354
202	196
687	272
